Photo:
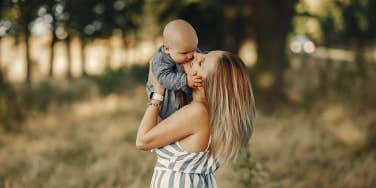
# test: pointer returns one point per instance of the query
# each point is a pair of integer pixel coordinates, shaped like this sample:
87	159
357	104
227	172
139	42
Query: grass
87	144
84	132
19	101
90	143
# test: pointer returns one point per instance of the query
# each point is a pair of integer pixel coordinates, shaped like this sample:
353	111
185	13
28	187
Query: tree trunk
272	24
108	58
125	42
52	55
69	59
1	62
83	58
28	59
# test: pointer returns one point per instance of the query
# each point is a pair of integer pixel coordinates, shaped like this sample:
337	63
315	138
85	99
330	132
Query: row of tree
224	24
85	19
221	24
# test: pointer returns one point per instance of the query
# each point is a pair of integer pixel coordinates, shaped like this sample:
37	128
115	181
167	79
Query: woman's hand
157	86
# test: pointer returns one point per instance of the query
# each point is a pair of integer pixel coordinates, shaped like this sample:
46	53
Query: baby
179	44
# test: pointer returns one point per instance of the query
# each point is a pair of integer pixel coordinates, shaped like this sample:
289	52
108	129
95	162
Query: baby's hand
194	80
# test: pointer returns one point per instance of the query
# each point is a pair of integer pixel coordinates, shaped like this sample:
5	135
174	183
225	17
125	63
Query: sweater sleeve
168	75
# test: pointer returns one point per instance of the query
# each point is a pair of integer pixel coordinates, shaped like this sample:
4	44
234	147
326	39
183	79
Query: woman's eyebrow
203	59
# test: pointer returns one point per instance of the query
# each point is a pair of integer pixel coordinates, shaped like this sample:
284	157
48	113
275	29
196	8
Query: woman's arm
179	125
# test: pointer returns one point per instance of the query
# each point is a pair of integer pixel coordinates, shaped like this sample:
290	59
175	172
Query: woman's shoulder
197	108
196	111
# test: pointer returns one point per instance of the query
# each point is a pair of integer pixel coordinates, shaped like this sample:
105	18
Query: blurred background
73	74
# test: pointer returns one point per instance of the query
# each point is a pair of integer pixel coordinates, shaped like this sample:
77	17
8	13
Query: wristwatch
155	96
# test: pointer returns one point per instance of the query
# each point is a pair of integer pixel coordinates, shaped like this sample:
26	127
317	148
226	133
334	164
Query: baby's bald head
180	34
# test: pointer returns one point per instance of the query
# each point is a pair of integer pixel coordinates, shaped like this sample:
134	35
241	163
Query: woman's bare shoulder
196	108
198	112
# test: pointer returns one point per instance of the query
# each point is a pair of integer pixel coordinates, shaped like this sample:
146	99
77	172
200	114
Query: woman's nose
195	54
190	56
198	55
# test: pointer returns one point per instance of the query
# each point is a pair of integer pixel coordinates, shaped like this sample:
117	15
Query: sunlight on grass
342	127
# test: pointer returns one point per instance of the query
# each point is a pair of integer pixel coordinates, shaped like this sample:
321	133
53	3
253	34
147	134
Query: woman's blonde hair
231	107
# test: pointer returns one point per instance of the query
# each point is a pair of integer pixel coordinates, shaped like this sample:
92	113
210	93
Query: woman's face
203	64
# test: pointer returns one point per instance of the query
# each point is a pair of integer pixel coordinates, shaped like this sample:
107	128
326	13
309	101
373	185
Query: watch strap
156	96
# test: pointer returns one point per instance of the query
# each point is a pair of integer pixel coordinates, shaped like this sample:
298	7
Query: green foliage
371	138
78	154
219	24
121	79
250	173
18	103
92	19
340	22
11	112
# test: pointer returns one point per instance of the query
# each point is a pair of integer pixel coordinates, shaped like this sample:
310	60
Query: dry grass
91	144
88	144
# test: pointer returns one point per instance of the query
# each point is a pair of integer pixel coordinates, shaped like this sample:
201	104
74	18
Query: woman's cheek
194	67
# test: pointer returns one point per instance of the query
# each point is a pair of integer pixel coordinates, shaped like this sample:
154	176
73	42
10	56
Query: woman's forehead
211	59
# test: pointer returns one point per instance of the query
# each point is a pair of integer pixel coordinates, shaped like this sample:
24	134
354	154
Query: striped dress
177	168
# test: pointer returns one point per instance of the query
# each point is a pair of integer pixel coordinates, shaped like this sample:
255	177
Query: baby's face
181	53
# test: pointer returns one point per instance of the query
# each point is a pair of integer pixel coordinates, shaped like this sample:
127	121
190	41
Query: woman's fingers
198	84
197	79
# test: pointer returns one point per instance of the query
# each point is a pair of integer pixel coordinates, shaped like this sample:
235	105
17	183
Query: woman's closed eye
202	61
196	61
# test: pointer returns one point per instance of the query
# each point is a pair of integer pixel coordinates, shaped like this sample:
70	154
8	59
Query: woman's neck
198	95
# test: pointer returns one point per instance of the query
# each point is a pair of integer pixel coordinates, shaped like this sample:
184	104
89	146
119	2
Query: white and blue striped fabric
177	168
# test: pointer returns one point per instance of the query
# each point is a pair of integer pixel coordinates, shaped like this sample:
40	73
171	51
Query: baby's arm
168	76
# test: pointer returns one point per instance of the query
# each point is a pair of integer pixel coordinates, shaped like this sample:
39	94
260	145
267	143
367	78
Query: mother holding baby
194	140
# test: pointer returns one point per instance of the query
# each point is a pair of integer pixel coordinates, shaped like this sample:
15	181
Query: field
91	143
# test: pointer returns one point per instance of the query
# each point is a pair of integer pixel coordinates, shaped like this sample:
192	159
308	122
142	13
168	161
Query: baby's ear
166	48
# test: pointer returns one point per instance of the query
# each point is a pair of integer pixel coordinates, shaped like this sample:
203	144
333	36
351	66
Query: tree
5	25
52	5
60	16
121	15
219	24
22	14
2	32
1	63
272	20
89	19
225	24
359	28
80	23
339	24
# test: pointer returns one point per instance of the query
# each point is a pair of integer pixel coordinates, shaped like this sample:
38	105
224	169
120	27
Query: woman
208	132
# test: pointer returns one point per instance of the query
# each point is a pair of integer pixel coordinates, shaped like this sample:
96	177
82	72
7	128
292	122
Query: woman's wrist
160	91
